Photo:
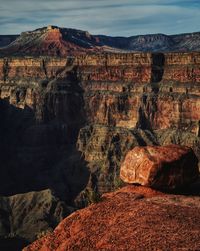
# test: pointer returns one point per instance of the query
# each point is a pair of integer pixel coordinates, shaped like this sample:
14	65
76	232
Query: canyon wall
66	124
100	94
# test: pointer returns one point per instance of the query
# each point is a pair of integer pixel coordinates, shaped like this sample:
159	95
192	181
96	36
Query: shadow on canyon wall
38	155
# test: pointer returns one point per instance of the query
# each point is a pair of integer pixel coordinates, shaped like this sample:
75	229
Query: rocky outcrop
160	167
132	218
52	41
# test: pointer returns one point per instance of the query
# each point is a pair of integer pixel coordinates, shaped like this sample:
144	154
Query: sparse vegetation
43	233
117	182
92	196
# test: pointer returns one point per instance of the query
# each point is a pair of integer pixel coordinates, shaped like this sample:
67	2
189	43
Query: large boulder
160	167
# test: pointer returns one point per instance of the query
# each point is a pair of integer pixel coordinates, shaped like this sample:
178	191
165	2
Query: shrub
43	233
92	196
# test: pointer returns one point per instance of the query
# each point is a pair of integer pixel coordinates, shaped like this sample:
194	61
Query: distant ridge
55	41
7	39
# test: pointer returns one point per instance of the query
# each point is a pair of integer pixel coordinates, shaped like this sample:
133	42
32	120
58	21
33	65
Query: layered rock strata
118	93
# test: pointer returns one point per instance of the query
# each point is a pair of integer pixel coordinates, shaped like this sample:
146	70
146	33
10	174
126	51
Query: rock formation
133	218
160	167
55	41
92	108
67	123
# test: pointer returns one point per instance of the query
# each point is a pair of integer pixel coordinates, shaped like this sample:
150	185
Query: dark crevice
5	69
157	67
44	68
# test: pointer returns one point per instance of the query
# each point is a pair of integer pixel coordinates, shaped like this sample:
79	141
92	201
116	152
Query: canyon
67	124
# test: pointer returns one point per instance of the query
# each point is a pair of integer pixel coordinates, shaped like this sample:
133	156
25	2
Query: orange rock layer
119	89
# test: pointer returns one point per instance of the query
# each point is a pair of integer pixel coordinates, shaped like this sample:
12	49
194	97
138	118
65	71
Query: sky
109	17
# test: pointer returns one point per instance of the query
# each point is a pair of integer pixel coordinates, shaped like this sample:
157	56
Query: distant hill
55	41
7	39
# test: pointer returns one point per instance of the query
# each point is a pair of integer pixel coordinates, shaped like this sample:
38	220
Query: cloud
111	17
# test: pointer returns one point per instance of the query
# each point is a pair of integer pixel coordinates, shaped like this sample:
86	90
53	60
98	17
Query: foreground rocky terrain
132	218
136	217
67	124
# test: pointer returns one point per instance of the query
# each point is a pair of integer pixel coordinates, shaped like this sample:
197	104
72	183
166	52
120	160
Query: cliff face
117	94
68	123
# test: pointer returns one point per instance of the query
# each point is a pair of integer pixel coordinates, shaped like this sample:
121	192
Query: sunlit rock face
161	167
182	67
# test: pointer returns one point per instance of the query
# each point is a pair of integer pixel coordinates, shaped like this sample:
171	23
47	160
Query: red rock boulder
160	167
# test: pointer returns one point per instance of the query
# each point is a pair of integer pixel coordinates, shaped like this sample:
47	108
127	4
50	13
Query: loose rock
161	167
